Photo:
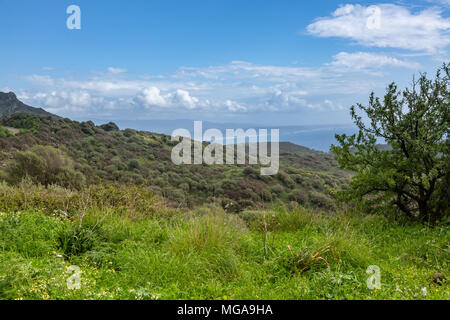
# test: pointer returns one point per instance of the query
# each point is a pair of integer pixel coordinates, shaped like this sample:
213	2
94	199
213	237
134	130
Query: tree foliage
412	173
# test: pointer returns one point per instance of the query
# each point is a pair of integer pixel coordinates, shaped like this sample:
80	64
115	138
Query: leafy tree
412	173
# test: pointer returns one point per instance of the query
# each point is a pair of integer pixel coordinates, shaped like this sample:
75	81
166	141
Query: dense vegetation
129	245
80	154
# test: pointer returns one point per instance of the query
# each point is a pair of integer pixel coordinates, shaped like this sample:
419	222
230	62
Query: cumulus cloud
387	26
183	98
152	97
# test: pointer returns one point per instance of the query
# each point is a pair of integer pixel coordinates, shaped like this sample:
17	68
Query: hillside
105	154
9	105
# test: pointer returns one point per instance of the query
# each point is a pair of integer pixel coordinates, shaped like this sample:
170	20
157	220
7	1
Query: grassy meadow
128	244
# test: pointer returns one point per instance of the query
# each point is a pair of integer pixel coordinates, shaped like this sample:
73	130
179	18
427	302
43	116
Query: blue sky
253	61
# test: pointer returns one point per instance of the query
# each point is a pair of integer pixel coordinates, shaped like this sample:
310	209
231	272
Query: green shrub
4	133
319	200
298	195
26	164
44	165
133	164
286	179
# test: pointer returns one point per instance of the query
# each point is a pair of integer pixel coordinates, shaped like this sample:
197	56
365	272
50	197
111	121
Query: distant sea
320	138
317	137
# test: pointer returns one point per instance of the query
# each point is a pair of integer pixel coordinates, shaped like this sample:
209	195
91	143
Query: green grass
205	253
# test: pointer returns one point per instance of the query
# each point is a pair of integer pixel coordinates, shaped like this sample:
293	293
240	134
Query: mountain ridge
10	104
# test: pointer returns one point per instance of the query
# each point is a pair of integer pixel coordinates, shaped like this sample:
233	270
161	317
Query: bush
298	195
26	164
133	164
44	165
4	133
286	179
320	200
111	126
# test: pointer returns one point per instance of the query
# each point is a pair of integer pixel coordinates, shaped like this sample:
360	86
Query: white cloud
387	26
290	100
183	98
246	70
152	97
364	60
59	101
116	70
104	86
233	106
236	87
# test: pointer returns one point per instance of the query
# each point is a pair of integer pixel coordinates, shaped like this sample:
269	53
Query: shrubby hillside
74	154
